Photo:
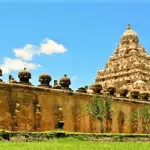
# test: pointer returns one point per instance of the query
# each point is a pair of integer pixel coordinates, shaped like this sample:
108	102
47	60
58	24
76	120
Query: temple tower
128	65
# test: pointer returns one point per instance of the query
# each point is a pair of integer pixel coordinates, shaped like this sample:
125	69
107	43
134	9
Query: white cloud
49	47
10	64
46	47
27	52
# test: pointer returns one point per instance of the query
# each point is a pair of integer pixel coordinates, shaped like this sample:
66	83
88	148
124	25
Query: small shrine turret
65	82
96	88
24	77
45	80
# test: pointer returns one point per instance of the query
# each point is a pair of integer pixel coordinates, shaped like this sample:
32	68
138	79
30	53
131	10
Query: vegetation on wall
99	108
86	87
144	115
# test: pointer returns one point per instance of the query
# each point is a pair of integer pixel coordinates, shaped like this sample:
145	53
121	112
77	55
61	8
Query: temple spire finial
128	26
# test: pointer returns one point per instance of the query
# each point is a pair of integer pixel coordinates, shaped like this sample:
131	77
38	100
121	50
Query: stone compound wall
18	107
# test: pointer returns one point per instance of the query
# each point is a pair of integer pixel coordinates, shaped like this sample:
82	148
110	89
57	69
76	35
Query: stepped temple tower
129	66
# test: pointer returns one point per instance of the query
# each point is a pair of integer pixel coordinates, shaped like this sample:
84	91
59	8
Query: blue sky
83	35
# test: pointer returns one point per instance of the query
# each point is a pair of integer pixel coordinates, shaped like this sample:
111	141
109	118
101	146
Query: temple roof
129	31
129	36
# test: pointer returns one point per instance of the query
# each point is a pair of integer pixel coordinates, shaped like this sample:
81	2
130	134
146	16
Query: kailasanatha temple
126	77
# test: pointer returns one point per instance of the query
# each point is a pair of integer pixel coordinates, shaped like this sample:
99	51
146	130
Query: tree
99	108
86	87
144	114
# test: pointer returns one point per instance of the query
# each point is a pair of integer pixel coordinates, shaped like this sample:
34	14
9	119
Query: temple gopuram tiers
128	67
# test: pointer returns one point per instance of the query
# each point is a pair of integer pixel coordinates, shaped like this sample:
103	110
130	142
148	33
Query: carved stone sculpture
60	122
17	116
11	79
37	116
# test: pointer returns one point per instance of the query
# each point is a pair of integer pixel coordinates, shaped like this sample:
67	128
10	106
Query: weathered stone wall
5	116
18	110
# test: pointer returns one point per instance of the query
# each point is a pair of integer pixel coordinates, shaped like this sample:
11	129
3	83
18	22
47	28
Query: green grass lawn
74	144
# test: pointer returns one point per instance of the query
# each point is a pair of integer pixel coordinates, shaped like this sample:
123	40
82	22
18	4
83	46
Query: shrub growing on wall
99	108
144	115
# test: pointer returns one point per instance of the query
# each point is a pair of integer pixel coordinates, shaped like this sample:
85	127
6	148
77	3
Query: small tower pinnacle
128	26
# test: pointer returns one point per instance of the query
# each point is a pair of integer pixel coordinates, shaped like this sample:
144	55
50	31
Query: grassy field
74	144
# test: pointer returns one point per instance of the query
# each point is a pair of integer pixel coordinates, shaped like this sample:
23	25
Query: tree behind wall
144	114
99	108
